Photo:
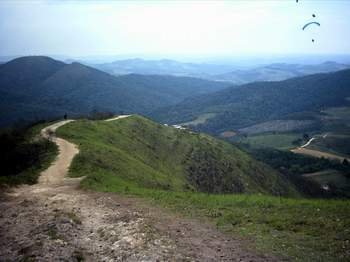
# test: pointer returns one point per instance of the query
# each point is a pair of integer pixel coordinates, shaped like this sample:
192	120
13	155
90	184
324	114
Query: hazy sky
169	28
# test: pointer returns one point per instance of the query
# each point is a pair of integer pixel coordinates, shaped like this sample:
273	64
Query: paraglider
311	23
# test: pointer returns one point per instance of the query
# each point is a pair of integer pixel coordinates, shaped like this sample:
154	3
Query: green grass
298	229
134	156
279	141
154	156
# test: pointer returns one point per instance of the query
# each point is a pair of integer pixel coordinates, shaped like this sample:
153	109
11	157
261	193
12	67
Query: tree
306	136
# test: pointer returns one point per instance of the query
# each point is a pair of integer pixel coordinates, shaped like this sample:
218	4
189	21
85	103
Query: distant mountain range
40	87
33	88
237	108
272	72
278	72
163	67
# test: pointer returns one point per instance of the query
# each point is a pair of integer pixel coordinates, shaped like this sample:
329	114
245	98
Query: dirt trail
56	221
316	153
117	117
56	172
319	154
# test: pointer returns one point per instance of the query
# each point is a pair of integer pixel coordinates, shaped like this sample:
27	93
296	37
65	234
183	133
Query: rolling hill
40	87
263	102
134	152
130	156
162	67
219	72
278	72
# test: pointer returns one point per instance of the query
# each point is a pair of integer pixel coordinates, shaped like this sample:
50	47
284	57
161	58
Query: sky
173	28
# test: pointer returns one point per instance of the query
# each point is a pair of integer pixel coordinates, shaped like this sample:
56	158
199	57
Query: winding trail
54	220
308	142
56	173
116	118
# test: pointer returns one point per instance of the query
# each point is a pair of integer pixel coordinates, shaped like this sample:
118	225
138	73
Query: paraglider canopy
311	23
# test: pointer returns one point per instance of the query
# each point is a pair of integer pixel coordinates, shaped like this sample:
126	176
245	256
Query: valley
154	216
180	131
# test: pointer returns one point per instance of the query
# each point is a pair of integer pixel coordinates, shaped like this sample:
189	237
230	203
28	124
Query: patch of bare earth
56	221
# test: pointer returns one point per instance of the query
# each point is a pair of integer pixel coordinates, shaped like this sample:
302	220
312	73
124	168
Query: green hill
278	72
36	87
262	103
135	153
169	166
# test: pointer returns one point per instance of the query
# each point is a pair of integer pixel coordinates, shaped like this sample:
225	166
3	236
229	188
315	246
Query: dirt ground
56	221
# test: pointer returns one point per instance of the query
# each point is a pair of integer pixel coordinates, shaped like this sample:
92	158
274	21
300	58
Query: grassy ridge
136	156
155	156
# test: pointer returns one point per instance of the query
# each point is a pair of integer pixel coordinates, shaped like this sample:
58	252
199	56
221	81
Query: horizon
238	61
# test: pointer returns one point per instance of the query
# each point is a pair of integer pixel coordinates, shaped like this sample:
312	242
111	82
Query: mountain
240	107
162	67
278	72
225	72
41	87
134	152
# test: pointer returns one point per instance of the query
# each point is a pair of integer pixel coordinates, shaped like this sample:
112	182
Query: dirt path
56	221
308	142
117	117
319	154
316	153
56	172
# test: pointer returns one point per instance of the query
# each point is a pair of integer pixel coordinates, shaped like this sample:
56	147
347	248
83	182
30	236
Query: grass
131	156
297	229
139	151
279	141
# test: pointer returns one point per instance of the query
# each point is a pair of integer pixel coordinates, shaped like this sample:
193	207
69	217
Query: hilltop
38	87
136	153
137	158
